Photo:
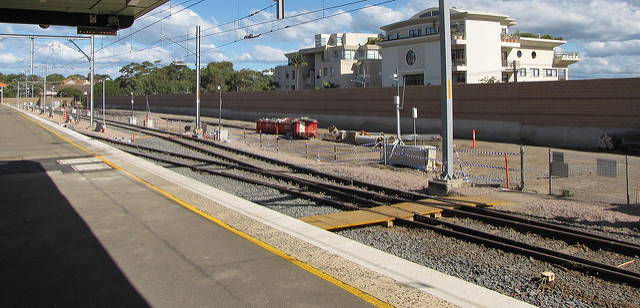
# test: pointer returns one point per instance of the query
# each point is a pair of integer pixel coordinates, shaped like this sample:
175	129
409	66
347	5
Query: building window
324	72
533	54
535	72
430	30
411	57
332	72
293	75
338	41
562	74
519	54
550	73
413	33
522	72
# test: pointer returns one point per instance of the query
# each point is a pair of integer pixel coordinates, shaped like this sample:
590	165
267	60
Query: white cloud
607	33
261	53
612	48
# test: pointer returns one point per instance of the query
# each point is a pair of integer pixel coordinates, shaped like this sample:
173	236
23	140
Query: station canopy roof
97	14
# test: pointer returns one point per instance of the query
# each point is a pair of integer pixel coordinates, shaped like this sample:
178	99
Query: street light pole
396	101
220	114
131	121
198	78
53	90
104	85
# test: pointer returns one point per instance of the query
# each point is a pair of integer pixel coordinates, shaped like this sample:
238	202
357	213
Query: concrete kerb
451	289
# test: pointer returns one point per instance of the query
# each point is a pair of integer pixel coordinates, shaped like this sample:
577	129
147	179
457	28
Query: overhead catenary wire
160	43
218	47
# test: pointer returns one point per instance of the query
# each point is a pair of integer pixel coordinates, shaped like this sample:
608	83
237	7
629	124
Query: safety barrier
582	175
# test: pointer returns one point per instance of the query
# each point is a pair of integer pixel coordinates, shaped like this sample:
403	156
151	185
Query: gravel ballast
510	274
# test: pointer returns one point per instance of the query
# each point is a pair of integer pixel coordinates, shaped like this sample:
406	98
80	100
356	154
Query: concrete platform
121	231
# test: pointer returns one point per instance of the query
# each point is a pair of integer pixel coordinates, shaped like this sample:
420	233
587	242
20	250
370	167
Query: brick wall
506	111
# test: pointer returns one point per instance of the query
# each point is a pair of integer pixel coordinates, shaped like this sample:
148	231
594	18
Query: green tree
217	74
298	60
77	95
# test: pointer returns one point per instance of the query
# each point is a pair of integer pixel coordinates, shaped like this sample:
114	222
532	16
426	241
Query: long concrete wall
563	114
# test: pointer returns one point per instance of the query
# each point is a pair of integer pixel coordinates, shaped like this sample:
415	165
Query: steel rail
540	253
548	230
394	195
489	239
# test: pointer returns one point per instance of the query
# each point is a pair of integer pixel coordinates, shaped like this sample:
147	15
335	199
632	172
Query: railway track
349	194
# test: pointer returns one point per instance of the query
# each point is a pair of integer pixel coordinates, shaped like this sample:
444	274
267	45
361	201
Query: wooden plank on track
346	219
393	211
479	200
419	208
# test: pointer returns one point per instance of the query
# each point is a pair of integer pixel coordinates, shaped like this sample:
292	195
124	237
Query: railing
510	38
588	176
454	36
459	62
567	55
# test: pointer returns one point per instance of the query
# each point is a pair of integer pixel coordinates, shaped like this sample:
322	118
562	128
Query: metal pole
198	78
521	167
396	101
414	114
131	108
92	70
626	158
384	149
447	100
31	65
220	114
104	125
43	96
550	176
53	90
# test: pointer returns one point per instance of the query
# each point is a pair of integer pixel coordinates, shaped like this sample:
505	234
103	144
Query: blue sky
606	33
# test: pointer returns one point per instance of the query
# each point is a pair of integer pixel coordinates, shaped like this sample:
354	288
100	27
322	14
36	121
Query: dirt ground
532	200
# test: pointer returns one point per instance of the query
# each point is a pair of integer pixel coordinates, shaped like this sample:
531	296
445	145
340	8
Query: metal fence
598	176
587	176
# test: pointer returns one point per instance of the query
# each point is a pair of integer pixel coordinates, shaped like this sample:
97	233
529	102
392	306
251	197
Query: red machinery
300	128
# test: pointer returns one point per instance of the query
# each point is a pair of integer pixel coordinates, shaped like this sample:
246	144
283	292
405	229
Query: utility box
423	158
222	134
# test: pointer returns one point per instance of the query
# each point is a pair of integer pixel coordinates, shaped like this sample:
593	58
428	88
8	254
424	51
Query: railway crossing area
385	215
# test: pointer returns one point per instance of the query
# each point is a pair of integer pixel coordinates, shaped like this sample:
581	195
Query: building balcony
507	66
458	36
564	59
459	64
510	41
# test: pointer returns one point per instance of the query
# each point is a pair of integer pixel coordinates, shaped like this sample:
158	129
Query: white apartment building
344	60
482	49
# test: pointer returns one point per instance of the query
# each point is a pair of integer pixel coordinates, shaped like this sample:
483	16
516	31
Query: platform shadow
48	255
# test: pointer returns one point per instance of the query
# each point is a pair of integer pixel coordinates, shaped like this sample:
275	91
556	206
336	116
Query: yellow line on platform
309	268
